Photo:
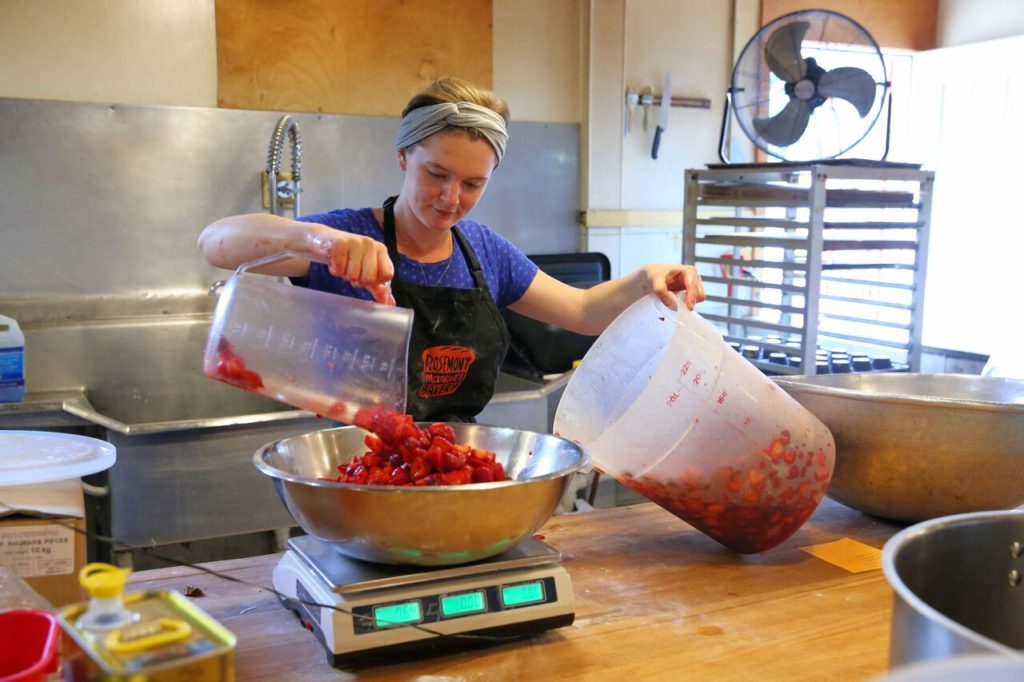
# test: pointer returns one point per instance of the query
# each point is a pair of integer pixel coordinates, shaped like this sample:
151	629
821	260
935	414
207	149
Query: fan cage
834	127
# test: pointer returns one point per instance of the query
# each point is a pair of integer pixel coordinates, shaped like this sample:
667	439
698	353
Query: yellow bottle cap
103	580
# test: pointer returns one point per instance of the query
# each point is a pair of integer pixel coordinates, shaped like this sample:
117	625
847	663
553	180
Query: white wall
124	51
563	61
148	52
972	21
633	44
554	60
164	52
538	58
969	101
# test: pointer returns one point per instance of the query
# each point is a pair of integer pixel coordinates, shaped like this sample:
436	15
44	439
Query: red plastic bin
28	645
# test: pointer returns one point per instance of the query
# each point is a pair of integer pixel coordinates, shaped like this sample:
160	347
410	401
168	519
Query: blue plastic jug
12	361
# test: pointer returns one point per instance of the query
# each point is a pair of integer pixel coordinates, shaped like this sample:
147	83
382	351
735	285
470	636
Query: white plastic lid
44	456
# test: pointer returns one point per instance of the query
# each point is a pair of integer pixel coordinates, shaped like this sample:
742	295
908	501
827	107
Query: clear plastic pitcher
665	406
330	354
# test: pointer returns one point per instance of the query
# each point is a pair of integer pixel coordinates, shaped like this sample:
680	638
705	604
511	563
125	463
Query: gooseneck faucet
279	188
282	189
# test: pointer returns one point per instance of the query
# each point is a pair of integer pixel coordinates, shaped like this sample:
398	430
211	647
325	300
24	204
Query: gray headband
423	122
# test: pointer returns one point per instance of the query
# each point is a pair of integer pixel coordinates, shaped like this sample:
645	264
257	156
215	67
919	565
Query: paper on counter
848	554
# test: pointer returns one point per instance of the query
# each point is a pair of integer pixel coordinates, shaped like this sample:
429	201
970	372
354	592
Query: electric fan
809	85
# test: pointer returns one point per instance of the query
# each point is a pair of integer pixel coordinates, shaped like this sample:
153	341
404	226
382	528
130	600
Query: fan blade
783	51
854	85
785	127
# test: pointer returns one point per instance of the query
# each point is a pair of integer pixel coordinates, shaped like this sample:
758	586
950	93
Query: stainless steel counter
176	481
523	404
192	478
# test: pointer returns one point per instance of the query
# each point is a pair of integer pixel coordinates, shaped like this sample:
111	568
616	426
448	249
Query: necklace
447	267
444	272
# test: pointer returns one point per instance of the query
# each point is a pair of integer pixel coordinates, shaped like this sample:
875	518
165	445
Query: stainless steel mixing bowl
426	526
957	587
911	447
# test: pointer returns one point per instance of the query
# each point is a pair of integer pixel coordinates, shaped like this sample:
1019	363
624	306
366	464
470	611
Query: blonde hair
454	90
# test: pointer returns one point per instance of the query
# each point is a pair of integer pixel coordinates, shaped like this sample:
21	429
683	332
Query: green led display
397	614
526	593
463	604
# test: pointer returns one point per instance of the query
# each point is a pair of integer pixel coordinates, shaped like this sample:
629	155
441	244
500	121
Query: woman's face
445	175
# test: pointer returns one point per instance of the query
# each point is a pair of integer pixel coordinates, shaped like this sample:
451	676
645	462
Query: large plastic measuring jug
322	352
665	406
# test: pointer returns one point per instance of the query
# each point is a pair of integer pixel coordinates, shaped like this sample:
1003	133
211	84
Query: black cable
117	545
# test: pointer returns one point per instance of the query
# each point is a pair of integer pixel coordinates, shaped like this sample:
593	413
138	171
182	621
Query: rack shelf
799	259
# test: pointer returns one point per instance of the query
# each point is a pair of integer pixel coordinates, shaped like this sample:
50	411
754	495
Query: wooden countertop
655	599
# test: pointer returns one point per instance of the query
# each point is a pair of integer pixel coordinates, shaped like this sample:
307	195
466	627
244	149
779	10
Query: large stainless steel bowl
957	586
912	447
426	526
962	668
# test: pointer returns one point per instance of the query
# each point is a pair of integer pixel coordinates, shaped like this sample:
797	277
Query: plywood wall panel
901	24
346	56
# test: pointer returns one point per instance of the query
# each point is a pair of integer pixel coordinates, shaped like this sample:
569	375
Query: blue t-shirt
507	270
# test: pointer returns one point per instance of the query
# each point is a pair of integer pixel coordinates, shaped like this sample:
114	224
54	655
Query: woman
454	273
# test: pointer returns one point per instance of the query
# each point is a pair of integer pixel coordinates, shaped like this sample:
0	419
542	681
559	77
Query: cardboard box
47	553
42	537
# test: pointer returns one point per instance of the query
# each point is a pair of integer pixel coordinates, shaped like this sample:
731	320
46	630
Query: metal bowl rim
974	665
278	474
902	538
910	399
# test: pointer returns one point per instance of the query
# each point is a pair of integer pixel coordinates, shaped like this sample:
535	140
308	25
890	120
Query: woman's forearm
584	311
603	302
363	261
230	242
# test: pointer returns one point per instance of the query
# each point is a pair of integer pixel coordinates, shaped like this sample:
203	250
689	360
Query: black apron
459	338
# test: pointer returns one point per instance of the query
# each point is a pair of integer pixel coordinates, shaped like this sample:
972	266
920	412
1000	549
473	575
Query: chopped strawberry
752	504
400	453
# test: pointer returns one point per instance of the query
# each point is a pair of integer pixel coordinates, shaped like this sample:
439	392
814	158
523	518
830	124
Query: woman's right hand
361	260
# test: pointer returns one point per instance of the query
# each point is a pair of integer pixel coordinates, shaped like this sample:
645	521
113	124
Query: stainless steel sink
523	404
177	480
184	441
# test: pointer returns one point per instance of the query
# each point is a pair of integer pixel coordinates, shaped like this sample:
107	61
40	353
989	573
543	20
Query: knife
666	106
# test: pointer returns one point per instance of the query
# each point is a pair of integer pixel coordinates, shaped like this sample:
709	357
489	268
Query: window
968	126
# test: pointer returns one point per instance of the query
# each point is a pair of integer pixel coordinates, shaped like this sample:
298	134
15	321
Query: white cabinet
803	258
631	247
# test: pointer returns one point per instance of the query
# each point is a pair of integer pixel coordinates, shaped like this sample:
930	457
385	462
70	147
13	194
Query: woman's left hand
590	311
663	279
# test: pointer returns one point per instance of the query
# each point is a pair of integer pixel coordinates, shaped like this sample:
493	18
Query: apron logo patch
444	369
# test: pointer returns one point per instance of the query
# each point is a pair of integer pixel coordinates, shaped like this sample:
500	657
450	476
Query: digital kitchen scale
383	609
